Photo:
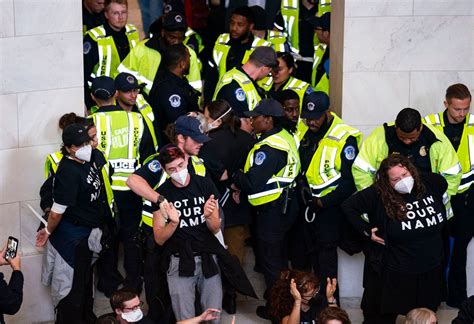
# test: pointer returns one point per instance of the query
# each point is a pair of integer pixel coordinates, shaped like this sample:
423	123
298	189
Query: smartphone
12	248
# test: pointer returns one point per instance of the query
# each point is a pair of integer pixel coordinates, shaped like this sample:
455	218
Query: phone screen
12	247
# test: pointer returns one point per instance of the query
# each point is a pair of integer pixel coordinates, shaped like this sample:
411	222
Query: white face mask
133	316
213	125
405	185
84	153
180	176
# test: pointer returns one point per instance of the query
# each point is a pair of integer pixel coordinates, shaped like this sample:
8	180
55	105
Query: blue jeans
151	10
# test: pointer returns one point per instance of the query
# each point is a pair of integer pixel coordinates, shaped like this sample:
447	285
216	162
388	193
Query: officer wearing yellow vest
320	71
458	125
275	37
107	45
144	60
130	99
293	20
239	88
428	148
92	14
119	133
233	49
268	180
187	134
327	151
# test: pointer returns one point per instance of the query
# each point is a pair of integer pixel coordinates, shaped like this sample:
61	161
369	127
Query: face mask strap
223	115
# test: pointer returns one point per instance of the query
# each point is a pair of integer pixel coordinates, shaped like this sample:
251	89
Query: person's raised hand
210	206
376	238
331	285
3	261
294	291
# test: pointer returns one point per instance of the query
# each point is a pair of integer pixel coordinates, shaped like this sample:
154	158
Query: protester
11	293
420	316
333	315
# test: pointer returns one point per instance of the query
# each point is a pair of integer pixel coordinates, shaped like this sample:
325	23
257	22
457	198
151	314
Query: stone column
41	79
387	55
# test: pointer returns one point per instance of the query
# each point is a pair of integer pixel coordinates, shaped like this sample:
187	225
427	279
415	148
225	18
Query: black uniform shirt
91	19
345	185
236	97
418	152
268	161
453	131
171	97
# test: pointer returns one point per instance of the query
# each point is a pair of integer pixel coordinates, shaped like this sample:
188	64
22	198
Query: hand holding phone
12	248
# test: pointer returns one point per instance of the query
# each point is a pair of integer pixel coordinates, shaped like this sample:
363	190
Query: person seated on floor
333	315
420	316
295	297
127	308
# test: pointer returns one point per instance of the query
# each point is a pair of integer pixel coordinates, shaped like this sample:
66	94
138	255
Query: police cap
191	126
315	105
103	87
323	22
266	107
125	82
174	21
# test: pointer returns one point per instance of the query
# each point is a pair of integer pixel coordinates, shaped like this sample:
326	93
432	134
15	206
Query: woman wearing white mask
403	215
71	235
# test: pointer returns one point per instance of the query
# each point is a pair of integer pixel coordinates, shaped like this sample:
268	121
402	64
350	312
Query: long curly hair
392	200
281	300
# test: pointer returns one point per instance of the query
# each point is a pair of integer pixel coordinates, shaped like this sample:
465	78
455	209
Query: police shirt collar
110	32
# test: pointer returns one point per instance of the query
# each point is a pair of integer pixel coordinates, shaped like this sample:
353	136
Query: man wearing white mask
126	305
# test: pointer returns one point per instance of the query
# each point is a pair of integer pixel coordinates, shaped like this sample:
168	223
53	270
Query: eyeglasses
134	308
315	292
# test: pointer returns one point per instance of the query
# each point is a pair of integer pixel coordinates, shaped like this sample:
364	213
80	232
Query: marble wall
392	55
41	79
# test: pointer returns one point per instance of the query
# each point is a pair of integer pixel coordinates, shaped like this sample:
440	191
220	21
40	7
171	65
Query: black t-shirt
453	131
78	186
189	201
316	306
415	244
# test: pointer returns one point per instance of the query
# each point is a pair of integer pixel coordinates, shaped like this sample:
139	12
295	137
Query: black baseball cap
125	82
103	87
174	21
315	105
75	134
265	55
191	126
267	107
323	22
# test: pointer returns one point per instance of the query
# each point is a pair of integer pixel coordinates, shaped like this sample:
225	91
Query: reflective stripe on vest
290	13
251	94
278	40
51	164
465	150
324	171
109	59
147	211
317	57
285	177
323	7
119	134
148	116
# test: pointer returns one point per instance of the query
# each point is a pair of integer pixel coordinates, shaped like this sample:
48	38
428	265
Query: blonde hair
419	316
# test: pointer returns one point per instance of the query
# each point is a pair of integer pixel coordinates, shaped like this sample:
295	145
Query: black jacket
11	294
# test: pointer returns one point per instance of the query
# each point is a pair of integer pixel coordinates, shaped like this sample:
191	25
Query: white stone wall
399	54
41	79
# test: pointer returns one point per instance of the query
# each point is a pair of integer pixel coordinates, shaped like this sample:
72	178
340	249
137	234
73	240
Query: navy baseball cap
103	87
126	82
323	22
267	107
174	21
315	105
75	134
191	126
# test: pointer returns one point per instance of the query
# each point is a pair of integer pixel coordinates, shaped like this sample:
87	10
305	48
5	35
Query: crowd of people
216	134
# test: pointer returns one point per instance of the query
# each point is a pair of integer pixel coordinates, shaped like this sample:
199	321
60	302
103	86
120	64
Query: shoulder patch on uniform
260	157
154	166
350	152
308	90
175	100
240	94
86	47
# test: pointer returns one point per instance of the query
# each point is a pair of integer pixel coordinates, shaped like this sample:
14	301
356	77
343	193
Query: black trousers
77	306
108	274
156	285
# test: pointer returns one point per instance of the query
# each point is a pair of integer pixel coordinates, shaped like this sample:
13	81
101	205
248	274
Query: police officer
129	98
144	60
232	49
172	95
276	38
294	21
320	71
92	14
327	150
428	148
120	133
107	45
238	86
458	125
187	135
268	179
